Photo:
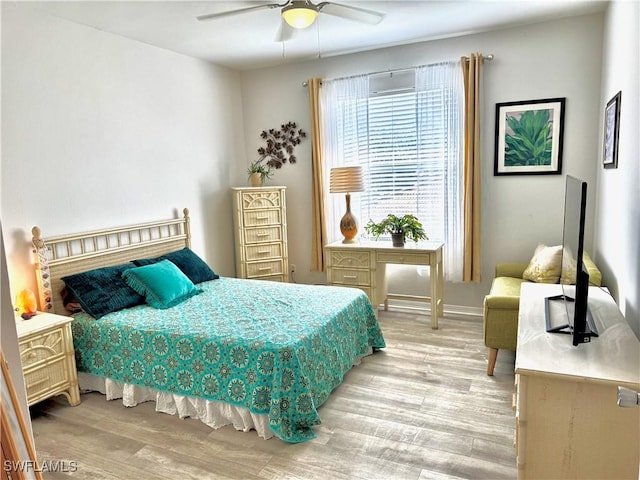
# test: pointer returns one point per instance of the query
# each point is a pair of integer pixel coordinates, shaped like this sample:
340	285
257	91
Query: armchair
500	319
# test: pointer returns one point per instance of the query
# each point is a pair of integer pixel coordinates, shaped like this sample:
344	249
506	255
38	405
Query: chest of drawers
259	215
47	356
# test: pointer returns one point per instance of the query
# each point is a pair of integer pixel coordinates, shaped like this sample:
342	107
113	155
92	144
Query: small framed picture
529	137
611	132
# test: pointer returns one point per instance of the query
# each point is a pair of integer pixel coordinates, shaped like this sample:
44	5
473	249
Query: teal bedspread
273	348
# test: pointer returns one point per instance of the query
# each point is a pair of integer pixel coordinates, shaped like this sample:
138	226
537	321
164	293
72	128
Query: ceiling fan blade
229	13
352	13
285	32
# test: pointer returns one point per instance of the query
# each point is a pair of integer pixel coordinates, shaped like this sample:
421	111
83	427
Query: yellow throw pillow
545	266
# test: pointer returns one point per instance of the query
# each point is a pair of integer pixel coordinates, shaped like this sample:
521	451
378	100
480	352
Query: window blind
400	141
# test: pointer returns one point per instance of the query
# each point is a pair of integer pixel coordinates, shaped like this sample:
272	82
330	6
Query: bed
255	354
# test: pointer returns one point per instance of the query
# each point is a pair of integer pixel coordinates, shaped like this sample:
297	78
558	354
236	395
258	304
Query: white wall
618	199
554	59
99	130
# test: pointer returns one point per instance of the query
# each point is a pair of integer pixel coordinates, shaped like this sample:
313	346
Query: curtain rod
488	58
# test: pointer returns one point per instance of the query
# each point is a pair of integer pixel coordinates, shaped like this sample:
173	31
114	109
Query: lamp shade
299	14
346	179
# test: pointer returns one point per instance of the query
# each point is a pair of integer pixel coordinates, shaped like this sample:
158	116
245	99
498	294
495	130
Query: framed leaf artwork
529	137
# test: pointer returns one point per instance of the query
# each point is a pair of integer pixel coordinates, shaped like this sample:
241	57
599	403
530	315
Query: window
406	133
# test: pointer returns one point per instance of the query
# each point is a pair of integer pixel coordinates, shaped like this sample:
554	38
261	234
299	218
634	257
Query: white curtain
440	97
348	106
343	102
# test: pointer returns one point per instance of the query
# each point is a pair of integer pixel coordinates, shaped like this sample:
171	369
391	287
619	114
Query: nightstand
48	361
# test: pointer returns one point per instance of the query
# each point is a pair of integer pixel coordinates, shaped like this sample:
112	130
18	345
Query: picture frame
611	132
529	137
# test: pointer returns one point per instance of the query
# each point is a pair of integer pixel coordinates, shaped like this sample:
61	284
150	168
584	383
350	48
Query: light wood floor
423	408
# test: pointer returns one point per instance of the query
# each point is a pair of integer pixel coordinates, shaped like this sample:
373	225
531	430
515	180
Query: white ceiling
246	41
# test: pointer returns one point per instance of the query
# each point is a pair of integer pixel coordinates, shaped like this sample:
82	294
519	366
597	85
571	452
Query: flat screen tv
573	317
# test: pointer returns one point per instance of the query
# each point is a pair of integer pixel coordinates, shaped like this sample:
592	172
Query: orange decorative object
26	302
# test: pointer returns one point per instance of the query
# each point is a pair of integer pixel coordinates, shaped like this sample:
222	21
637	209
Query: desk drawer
262	269
265	234
403	258
350	277
256	218
351	259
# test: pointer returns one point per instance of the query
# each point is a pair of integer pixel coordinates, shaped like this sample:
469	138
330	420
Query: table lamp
347	180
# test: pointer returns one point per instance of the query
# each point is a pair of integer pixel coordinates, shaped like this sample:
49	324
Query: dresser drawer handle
262	217
262	252
350	277
262	234
262	269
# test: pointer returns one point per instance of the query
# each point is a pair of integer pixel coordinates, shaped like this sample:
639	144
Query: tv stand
558	321
568	424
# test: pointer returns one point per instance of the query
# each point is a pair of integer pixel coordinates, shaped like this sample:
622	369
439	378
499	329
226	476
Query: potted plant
257	173
400	228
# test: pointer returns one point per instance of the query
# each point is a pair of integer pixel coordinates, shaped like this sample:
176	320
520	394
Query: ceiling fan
299	14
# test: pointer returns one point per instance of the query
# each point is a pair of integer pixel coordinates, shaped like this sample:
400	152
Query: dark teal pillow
163	284
191	264
102	290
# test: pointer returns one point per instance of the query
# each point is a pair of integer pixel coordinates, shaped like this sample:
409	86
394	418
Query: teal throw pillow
102	290
162	284
186	260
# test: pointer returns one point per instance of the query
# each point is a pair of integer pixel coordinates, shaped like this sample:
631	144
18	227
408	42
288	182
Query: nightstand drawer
37	349
261	235
45	379
262	269
256	218
259	252
350	277
402	258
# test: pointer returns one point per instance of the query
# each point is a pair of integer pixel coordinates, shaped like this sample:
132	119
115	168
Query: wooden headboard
56	257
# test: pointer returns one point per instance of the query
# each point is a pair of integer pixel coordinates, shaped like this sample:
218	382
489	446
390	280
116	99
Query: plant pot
256	180
397	239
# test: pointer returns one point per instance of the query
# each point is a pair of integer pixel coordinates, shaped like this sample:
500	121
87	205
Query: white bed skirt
211	413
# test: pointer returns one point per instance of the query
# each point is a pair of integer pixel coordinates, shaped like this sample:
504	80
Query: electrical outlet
292	268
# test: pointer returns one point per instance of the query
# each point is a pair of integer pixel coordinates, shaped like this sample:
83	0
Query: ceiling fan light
299	14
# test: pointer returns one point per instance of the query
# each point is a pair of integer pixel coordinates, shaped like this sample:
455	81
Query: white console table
567	422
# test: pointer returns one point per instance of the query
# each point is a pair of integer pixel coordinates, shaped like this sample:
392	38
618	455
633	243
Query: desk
567	422
362	265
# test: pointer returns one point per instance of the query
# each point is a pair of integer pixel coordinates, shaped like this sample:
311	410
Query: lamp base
349	227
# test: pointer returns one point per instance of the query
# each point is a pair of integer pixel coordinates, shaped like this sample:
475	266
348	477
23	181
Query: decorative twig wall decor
280	144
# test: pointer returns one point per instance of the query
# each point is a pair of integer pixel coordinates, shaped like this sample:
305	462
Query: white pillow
545	266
